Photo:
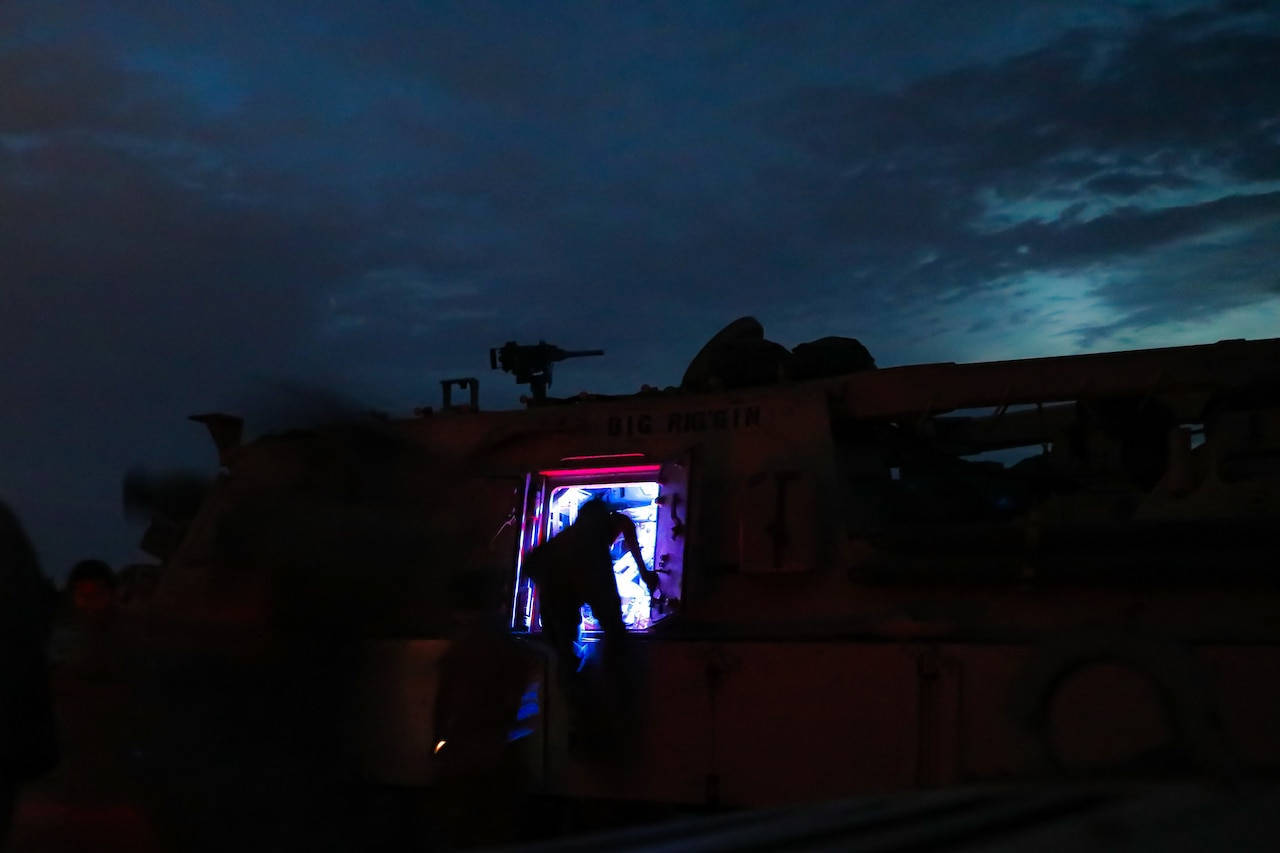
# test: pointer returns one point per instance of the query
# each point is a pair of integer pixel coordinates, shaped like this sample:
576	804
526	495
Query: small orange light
439	746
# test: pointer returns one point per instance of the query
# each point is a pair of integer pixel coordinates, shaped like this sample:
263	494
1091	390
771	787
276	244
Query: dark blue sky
201	201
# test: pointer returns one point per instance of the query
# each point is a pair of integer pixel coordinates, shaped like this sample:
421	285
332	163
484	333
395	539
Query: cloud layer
368	198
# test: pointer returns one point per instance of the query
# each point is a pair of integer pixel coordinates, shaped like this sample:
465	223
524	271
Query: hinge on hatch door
677	524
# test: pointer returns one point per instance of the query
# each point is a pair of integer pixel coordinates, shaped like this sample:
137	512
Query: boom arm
930	389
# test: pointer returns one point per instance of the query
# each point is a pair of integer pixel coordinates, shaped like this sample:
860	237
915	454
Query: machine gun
531	364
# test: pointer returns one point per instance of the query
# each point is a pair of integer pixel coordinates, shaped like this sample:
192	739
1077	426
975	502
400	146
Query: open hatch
650	494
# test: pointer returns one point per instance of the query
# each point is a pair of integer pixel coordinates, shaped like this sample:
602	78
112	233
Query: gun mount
531	363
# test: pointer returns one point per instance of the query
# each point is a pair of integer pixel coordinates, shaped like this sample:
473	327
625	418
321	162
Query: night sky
227	206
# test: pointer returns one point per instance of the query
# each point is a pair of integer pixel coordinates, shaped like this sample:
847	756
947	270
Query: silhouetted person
482	676
28	743
483	708
576	568
89	685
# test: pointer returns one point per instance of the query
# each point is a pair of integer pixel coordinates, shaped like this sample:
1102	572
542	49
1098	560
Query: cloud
184	203
1095	149
560	158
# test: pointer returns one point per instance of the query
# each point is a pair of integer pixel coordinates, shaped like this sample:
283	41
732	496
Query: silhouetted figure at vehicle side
486	703
603	680
482	676
28	740
95	682
576	568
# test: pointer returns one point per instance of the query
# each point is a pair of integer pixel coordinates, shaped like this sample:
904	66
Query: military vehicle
872	579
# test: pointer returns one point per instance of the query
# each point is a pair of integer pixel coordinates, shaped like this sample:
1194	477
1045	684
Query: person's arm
632	539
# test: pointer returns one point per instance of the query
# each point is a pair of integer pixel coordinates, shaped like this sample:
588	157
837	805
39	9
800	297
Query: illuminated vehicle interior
561	498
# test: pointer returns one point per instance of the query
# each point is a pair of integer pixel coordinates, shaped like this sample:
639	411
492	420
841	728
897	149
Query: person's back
579	556
576	568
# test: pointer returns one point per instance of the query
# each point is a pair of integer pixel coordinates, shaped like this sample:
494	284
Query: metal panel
673	527
399	680
797	722
667	754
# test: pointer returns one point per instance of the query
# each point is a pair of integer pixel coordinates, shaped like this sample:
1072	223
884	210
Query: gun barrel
579	353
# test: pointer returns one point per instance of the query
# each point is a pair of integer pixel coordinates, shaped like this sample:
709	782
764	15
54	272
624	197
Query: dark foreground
1182	817
1166	818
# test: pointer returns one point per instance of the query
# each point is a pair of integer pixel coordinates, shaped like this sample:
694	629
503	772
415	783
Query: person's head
594	510
92	586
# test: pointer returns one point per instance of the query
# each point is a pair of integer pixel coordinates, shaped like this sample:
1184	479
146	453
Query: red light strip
602	472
